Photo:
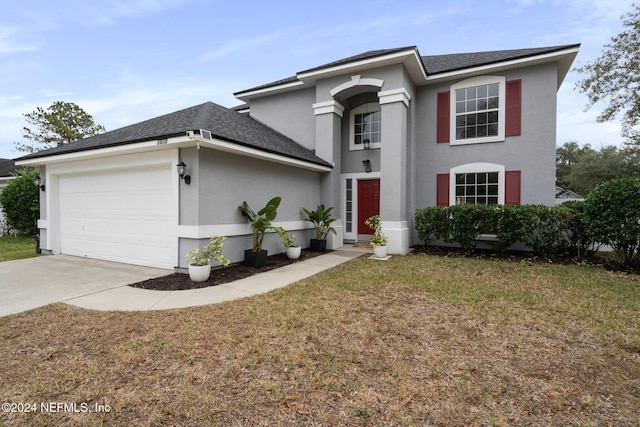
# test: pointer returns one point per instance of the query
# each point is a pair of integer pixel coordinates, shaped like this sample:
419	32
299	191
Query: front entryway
368	203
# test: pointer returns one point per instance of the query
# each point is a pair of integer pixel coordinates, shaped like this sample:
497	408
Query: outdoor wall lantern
367	165
367	144
39	182
182	167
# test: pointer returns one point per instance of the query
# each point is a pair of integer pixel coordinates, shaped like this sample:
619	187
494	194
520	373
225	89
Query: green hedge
609	216
612	217
546	230
20	202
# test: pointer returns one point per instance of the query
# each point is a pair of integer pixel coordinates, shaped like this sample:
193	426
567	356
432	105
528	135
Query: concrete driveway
30	283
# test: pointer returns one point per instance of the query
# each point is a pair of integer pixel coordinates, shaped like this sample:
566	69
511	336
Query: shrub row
546	230
609	216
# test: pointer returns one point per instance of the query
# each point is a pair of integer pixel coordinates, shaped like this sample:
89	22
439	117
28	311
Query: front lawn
417	340
17	247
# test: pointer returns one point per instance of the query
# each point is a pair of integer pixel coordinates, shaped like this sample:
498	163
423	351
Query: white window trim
368	107
479	81
476	168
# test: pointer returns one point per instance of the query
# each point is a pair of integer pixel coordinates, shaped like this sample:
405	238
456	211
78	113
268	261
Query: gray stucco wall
290	113
533	152
222	181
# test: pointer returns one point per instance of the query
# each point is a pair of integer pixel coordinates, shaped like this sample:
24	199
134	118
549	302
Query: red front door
368	203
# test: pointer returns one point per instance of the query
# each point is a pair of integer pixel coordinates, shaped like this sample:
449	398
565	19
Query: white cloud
49	93
14	39
237	45
107	13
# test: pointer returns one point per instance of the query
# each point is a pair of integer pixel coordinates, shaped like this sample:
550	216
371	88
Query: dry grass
418	340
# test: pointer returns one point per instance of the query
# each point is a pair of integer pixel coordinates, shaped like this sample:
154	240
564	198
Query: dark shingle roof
223	123
434	64
7	166
445	63
360	57
232	126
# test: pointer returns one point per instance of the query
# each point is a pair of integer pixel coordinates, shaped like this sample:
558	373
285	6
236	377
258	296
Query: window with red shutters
479	184
480	109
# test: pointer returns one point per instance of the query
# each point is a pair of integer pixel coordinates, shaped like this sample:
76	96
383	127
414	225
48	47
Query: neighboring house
563	195
385	132
7	167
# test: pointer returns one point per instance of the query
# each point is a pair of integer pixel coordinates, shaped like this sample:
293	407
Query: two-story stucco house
385	132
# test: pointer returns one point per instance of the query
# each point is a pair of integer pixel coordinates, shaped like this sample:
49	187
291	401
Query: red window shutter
442	194
513	104
512	188
443	122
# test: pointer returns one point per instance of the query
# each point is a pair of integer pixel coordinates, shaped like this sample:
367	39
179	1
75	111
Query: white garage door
123	216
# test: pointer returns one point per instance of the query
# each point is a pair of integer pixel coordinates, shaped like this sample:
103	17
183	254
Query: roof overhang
271	90
564	58
410	58
186	141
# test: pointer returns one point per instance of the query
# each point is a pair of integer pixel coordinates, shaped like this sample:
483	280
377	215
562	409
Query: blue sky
124	61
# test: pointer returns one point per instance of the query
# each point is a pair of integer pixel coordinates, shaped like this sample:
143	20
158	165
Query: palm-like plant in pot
260	224
321	219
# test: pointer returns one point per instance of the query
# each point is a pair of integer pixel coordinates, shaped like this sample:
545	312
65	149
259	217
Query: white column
393	169
328	140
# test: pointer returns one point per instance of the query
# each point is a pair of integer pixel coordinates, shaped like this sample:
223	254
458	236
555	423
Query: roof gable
372	54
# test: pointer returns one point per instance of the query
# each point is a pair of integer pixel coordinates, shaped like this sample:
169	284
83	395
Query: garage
122	215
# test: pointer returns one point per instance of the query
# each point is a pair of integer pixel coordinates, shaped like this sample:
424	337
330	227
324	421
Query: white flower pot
380	251
293	252
199	273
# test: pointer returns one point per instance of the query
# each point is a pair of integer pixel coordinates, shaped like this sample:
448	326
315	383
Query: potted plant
379	240
260	224
289	240
321	219
200	266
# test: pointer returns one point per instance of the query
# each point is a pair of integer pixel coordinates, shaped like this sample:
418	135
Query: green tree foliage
613	217
581	168
20	202
613	77
61	123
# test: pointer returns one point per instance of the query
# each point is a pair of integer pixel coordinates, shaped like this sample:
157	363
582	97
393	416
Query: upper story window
478	110
366	125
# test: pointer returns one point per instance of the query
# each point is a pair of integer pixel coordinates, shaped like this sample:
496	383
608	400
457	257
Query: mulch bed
181	281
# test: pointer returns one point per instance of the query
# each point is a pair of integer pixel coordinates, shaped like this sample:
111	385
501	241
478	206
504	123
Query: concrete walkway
29	283
126	298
